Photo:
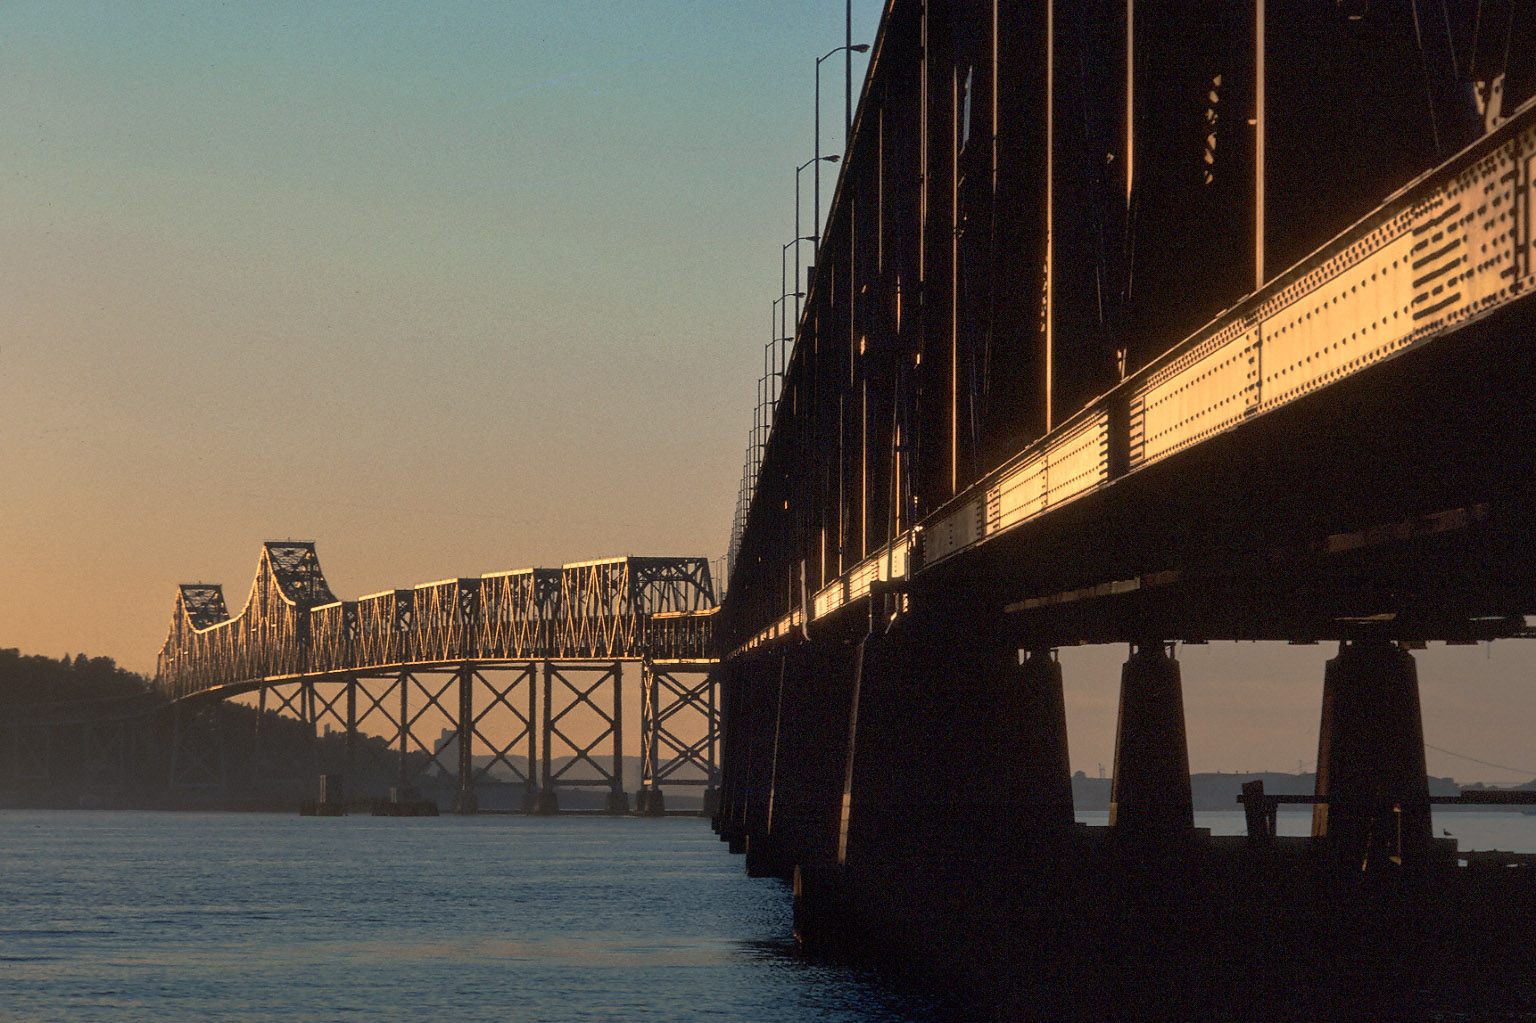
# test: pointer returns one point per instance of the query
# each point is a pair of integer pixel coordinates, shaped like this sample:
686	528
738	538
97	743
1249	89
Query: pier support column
547	802
352	725
464	800
1150	791
403	681
1041	769
1370	758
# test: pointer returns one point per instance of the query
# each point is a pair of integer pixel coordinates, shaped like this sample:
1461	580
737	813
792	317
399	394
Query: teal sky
448	288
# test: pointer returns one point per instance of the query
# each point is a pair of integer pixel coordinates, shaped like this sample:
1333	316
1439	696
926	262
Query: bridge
464	647
1122	327
524	668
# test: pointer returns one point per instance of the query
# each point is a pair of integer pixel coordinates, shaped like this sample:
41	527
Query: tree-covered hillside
33	679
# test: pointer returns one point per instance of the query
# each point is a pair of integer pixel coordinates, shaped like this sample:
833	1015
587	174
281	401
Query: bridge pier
464	800
1150	793
746	705
953	739
808	763
1036	699
1370	758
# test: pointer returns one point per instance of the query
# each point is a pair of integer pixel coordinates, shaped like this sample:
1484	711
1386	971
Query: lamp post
811	237
784	287
779	334
855	48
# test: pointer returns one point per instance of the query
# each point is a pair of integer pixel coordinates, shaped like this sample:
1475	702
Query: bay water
126	916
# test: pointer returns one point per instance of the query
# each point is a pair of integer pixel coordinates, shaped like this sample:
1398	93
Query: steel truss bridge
540	647
1097	347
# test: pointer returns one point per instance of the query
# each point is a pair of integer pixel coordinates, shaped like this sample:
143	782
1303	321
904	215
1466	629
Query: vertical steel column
717	727
170	781
549	801
464	800
648	801
351	723
617	801
405	732
312	739
650	728
534	785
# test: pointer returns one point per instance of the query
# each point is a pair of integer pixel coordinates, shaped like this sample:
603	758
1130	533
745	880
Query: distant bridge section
538	650
293	625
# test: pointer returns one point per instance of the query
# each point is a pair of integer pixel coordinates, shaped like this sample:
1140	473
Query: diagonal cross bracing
569	697
666	697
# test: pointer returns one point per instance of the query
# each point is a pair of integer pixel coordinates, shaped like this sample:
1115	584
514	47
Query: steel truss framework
197	748
680	724
86	747
568	688
680	721
457	652
293	626
400	706
678	701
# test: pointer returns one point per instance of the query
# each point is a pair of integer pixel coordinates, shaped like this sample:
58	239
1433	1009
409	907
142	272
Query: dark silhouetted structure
1138	323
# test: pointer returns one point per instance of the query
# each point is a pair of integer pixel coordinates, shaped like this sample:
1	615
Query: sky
449	288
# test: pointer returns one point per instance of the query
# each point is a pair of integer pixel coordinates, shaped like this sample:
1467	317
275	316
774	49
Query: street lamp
784	288
779	336
851	49
815	236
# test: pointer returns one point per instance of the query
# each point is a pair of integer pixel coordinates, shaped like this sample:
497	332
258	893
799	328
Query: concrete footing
548	802
616	803
465	802
650	803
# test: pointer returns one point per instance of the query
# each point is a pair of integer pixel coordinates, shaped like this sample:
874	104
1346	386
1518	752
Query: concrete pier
1150	791
1372	782
650	803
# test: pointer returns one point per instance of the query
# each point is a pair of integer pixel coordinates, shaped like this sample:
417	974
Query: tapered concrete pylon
1043	770
1370	758
1150	791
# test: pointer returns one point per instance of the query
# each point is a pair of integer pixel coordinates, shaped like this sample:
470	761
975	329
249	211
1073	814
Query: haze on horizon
449	289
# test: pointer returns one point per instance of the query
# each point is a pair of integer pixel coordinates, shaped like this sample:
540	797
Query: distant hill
31	680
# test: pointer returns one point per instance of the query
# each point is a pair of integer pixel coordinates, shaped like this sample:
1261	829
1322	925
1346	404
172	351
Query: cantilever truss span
292	625
457	650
